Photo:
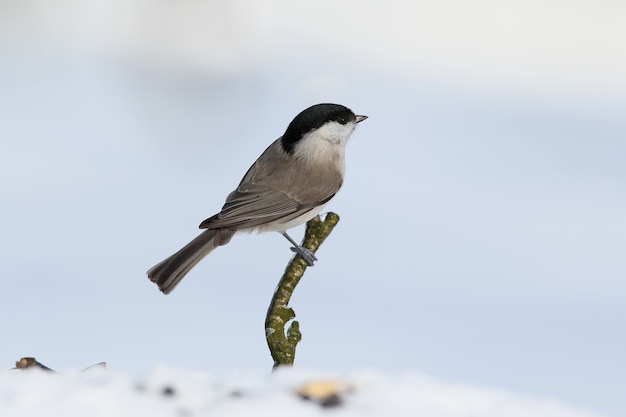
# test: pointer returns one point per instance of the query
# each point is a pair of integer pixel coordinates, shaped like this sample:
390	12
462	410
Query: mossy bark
282	342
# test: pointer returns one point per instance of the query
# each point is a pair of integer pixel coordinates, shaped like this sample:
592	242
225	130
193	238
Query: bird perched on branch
289	184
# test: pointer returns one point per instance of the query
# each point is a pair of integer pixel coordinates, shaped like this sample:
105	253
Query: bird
289	184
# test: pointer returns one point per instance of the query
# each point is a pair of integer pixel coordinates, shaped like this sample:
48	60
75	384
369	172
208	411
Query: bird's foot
307	254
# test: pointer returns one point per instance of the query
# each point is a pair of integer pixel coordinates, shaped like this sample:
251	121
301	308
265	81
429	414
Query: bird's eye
343	120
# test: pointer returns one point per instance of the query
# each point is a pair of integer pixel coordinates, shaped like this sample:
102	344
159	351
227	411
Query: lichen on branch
282	342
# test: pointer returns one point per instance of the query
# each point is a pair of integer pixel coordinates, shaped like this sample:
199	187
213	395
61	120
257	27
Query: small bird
288	185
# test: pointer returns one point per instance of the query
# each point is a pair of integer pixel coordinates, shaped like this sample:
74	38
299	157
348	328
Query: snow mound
172	392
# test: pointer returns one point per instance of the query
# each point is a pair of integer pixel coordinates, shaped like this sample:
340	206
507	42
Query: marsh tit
288	185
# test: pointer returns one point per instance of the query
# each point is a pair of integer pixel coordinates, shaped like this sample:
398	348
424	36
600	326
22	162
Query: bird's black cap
313	118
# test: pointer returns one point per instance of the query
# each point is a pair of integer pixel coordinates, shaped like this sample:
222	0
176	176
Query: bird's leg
306	254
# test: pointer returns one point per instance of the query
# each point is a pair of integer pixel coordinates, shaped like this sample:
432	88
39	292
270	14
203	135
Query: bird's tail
168	273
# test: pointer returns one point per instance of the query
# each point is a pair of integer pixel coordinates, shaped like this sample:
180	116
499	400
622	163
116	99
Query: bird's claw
308	255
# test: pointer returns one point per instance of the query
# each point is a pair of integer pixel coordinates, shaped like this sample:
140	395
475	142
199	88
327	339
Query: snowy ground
173	392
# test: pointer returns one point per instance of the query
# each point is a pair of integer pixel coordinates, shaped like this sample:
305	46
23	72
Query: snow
174	392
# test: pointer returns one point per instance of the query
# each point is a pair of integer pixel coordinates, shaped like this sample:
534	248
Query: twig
28	362
282	344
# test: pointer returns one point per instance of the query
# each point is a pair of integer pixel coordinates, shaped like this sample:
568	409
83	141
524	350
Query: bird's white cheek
337	133
325	145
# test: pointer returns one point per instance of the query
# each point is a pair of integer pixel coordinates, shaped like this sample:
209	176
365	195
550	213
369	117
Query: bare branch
282	343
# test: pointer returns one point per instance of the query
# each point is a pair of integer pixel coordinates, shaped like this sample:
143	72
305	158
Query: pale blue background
483	231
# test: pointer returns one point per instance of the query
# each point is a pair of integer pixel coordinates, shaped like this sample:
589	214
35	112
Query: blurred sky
483	229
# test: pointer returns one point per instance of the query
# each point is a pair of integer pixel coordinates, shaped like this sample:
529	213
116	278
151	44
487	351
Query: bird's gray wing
252	205
275	189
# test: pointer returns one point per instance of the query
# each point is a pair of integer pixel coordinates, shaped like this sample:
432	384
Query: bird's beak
359	119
